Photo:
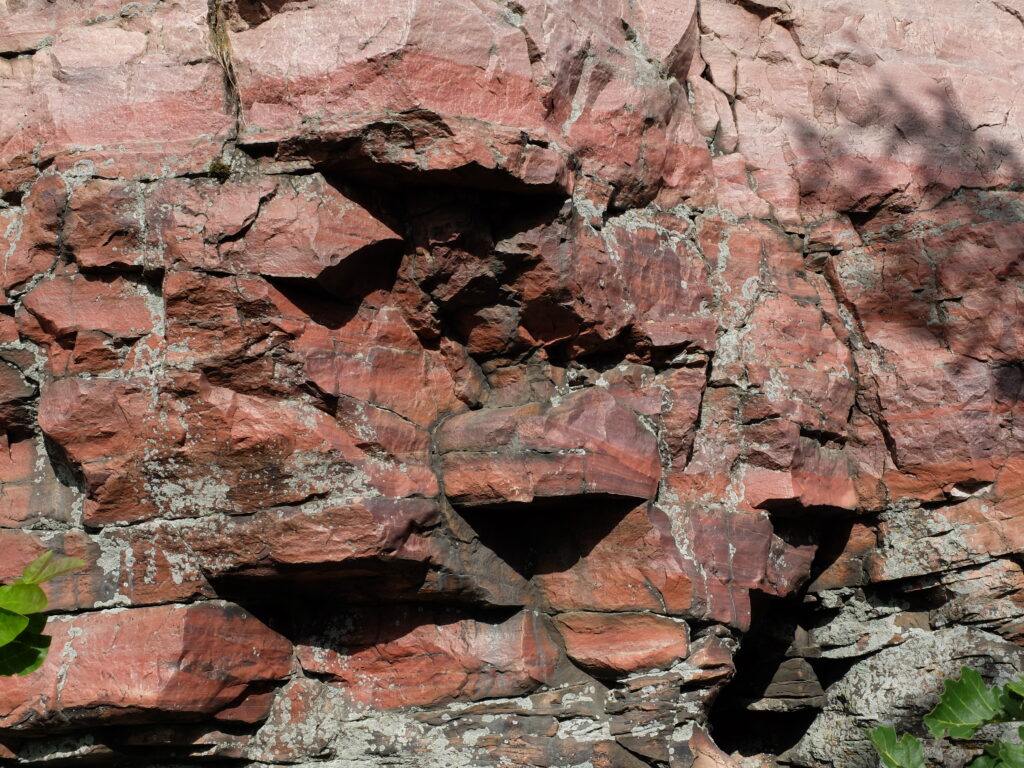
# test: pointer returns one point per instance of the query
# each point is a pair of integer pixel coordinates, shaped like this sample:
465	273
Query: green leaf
965	706
902	752
1016	687
11	625
23	598
44	568
984	761
25	655
1009	754
1012	704
1000	754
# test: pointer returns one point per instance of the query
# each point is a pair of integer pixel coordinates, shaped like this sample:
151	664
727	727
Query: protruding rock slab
418	657
185	448
612	644
145	665
587	444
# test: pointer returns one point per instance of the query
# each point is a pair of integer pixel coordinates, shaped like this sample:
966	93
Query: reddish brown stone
713	659
305	228
31	238
587	444
89	88
847	566
363	528
922	541
346	362
144	452
81	588
86	324
611	644
291	732
409	658
675	303
579	295
587	570
106	226
467	123
199	660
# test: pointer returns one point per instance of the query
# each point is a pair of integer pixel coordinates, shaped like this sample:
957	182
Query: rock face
533	383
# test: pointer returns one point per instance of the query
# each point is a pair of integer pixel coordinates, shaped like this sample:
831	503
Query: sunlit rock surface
489	384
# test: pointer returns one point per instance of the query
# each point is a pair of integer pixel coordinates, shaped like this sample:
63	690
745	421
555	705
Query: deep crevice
547	536
757	712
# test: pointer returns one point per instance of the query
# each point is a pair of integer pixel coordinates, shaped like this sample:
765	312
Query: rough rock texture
609	383
871	694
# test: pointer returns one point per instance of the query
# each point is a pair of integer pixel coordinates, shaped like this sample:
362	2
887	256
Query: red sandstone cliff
486	383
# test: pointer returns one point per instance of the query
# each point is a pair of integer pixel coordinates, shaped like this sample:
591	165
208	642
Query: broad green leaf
1000	754
36	625
25	655
44	568
1009	754
34	569
11	625
23	598
1012	704
902	752
965	705
1015	690
1016	687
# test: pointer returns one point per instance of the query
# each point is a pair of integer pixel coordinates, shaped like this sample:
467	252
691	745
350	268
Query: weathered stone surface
195	449
88	325
794	686
898	686
585	570
587	444
31	234
199	659
489	353
517	73
417	657
136	92
988	597
619	643
858	624
918	540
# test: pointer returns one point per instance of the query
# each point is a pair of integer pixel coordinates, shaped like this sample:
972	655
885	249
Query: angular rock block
589	444
146	665
184	448
513	96
613	644
404	657
138	92
635	566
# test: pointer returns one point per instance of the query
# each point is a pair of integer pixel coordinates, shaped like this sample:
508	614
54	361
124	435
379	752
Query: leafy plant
23	645
902	752
965	706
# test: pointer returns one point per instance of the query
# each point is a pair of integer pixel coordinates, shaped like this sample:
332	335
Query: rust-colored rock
526	365
198	659
193	449
407	658
587	444
618	643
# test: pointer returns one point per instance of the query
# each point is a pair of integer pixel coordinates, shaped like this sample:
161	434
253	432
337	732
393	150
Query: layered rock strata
577	383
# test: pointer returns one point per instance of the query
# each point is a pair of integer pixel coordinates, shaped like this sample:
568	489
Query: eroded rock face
128	666
514	384
589	444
